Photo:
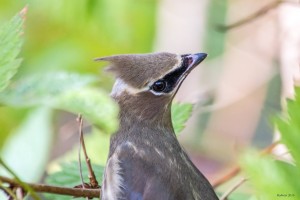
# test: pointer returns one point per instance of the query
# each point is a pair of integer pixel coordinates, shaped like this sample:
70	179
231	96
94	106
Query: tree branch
75	192
254	16
18	180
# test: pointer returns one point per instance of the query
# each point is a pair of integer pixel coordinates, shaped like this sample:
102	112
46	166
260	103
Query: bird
145	159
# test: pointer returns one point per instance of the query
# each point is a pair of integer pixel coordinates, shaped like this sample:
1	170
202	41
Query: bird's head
146	83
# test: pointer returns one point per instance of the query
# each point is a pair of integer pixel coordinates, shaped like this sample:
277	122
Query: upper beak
195	59
190	61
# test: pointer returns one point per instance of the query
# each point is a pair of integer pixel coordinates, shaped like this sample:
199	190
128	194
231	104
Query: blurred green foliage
56	76
62	38
68	35
10	46
26	151
214	38
275	179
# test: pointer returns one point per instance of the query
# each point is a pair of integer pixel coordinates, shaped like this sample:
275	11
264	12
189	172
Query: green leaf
289	127
274	179
180	114
69	176
10	46
26	151
43	89
64	91
95	105
271	178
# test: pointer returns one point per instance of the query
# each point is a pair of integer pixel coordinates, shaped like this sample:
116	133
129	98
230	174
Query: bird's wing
143	180
129	175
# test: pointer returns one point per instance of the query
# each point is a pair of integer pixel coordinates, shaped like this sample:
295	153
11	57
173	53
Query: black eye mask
171	79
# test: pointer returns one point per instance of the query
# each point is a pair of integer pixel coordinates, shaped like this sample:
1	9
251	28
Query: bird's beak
194	60
190	62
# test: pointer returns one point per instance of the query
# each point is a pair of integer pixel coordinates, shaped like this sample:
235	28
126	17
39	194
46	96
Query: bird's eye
159	86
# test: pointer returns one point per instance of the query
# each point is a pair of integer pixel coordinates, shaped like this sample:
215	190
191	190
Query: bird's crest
138	70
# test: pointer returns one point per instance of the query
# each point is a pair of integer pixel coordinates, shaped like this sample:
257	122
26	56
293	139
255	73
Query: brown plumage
146	160
135	69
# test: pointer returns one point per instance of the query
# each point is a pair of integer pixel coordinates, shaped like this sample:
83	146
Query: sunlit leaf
43	88
274	179
289	127
64	91
271	178
180	114
26	151
10	46
93	104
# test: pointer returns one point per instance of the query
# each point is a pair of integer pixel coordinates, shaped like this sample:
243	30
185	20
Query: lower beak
195	59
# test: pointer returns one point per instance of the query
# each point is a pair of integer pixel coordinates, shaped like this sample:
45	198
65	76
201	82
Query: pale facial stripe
120	86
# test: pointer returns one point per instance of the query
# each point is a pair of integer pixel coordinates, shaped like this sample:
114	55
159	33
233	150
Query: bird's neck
138	111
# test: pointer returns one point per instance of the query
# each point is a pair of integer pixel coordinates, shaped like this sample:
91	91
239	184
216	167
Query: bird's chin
182	78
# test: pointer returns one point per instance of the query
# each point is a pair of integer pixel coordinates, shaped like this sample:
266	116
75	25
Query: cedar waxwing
146	161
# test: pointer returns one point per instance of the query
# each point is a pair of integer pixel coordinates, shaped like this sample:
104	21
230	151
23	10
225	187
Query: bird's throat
143	111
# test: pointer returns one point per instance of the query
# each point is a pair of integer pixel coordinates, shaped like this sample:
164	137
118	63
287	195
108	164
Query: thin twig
233	172
79	119
236	169
75	192
92	177
254	16
233	188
